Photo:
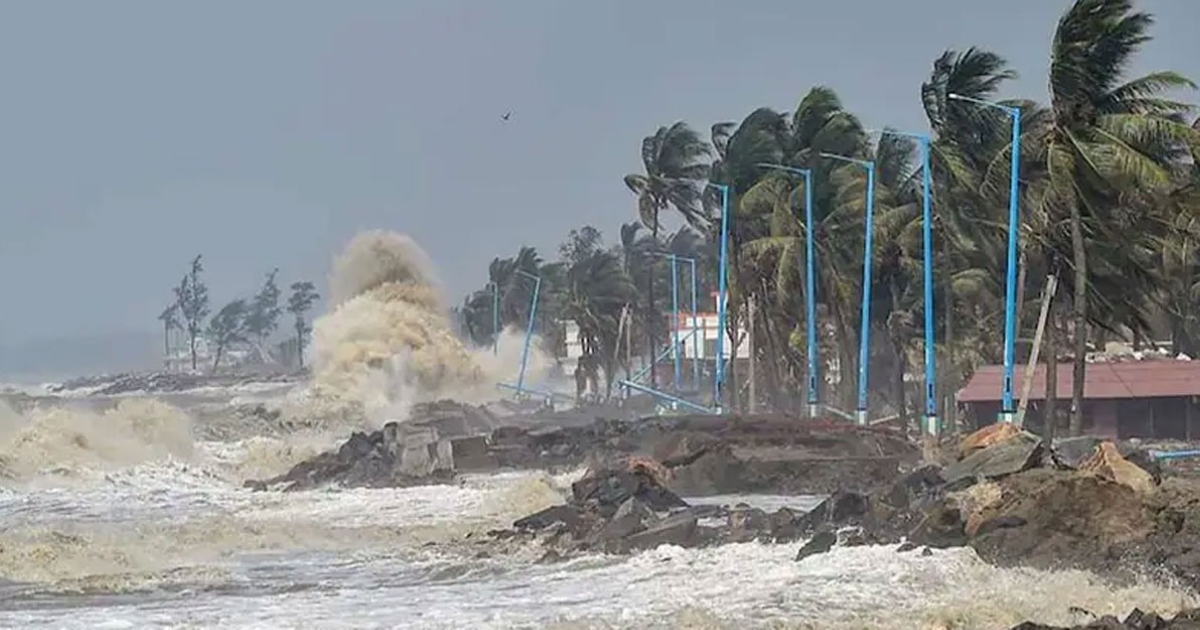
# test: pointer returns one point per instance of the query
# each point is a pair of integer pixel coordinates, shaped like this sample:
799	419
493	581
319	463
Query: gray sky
137	133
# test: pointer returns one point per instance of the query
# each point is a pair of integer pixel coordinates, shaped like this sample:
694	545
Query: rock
987	437
678	529
842	508
1136	620
626	508
1106	462
396	455
553	515
610	488
1071	452
704	454
631	518
821	543
1015	454
744	524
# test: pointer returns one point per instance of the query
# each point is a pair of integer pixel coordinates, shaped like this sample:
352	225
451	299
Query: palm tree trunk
1020	306
951	370
898	384
752	318
1079	369
1049	411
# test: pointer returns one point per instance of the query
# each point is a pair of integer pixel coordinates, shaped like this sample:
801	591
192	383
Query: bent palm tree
676	168
597	292
1108	138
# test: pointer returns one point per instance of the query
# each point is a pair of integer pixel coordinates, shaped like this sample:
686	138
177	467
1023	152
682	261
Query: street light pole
695	317
719	371
864	338
810	289
675	321
675	317
1007	408
696	340
537	285
923	144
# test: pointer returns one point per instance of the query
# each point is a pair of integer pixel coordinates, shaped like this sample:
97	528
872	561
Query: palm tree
674	159
597	292
1105	138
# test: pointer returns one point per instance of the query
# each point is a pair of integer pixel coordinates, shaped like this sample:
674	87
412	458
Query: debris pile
1080	503
707	454
1136	620
628	507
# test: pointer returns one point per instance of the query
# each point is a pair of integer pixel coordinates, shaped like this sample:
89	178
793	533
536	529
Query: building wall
1174	418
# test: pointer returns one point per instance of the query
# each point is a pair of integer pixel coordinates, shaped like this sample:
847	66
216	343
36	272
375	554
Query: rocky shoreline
1135	620
708	455
1080	503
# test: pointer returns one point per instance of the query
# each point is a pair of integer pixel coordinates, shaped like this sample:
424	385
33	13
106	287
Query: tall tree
598	290
676	167
228	327
1109	135
191	296
303	296
170	319
263	313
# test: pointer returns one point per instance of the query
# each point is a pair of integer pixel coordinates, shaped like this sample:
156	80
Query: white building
697	339
698	336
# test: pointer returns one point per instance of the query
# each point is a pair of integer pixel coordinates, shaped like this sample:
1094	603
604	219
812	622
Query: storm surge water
387	342
129	512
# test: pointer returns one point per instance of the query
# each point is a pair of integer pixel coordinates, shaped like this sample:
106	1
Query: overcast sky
137	133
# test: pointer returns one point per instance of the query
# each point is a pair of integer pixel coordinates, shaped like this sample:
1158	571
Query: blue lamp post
719	371
537	285
675	258
696	341
923	141
810	299
1007	408
678	375
864	339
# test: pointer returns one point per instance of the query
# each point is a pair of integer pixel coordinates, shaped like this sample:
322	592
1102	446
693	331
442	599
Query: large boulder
1018	503
627	507
1136	620
394	456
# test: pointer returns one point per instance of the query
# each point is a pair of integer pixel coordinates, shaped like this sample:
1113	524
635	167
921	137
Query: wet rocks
1136	620
166	382
626	508
396	455
715	454
1017	502
707	455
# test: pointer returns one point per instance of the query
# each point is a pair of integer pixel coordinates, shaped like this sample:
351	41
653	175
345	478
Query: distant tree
302	298
170	319
191	300
263	312
580	245
228	327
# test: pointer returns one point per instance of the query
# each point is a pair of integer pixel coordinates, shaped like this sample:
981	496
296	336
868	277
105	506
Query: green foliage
303	296
229	326
263	311
191	300
1109	200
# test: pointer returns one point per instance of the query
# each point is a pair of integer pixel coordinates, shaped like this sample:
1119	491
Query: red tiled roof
1123	379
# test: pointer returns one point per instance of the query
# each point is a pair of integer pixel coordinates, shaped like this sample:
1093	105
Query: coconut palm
676	166
597	292
1103	140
